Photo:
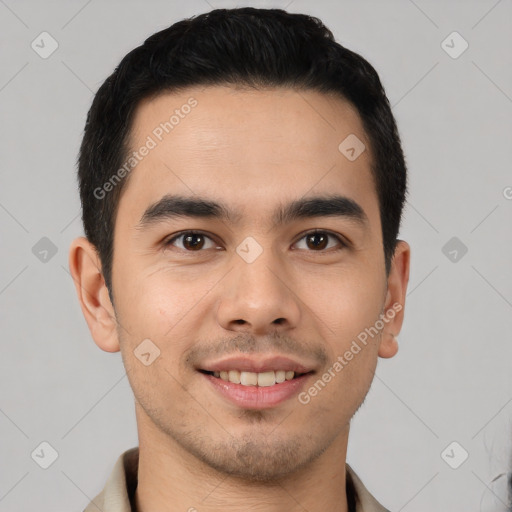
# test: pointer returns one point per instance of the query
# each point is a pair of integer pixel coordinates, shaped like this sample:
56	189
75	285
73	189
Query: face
247	242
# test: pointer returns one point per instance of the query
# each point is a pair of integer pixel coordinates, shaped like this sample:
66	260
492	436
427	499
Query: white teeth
263	379
248	378
266	379
234	376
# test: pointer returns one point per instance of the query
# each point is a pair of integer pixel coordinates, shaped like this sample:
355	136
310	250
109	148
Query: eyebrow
171	207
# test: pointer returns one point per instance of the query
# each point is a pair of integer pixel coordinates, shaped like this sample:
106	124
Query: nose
258	298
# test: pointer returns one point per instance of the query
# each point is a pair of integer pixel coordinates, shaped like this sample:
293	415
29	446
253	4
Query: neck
171	479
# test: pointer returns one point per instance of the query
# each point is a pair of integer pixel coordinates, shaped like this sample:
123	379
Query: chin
256	461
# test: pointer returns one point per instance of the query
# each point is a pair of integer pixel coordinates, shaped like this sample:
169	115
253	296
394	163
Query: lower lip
257	397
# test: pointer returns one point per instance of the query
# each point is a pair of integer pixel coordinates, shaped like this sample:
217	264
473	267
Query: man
242	183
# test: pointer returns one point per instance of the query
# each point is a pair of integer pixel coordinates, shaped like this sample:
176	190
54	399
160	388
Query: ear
85	268
395	299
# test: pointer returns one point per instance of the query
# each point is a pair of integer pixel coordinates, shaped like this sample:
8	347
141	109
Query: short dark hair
260	48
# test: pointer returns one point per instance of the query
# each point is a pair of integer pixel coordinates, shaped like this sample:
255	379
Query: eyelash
342	243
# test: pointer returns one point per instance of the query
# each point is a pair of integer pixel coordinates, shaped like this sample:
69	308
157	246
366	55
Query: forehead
247	147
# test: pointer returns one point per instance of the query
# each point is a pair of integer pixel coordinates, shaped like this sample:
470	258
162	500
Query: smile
263	379
250	390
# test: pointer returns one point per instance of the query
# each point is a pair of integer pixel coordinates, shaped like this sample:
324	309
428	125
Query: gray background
450	381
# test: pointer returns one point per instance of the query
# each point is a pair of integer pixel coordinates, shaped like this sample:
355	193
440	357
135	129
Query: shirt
118	495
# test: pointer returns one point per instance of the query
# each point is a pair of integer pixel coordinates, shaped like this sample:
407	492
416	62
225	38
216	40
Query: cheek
345	303
156	303
158	309
354	339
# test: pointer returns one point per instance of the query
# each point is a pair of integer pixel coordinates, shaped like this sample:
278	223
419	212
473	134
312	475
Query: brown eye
320	240
317	240
191	241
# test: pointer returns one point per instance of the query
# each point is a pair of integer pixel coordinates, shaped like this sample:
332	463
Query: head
224	216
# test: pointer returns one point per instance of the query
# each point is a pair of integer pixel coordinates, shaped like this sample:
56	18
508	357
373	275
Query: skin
252	151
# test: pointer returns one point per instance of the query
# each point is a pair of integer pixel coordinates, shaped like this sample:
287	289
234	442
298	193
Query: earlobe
85	268
388	345
395	299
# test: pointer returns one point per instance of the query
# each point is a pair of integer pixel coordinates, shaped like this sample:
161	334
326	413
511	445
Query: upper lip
257	364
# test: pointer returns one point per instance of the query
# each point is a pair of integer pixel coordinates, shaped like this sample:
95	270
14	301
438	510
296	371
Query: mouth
257	379
256	382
